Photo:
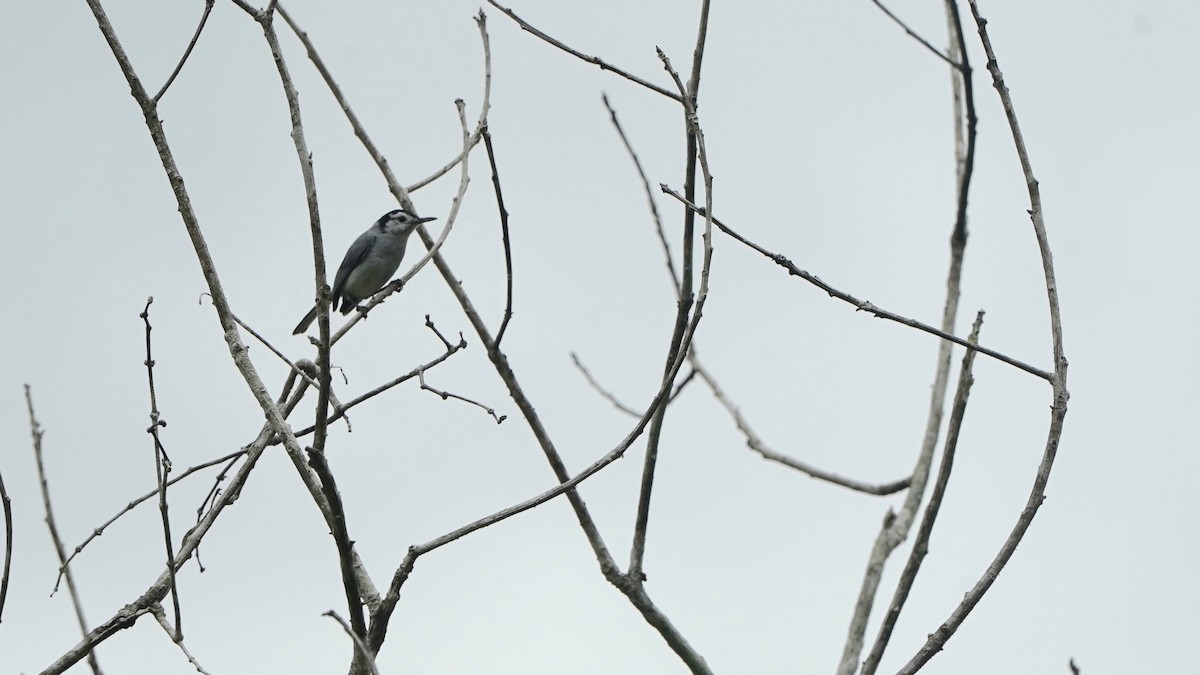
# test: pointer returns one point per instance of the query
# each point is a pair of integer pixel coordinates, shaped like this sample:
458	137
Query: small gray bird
369	263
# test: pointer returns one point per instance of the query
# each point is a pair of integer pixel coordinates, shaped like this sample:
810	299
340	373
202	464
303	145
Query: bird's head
400	222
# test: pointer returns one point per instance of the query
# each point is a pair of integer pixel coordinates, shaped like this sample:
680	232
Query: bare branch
208	5
658	226
756	444
487	144
896	530
921	544
445	395
1058	411
913	34
482	123
341	536
341	410
35	430
157	610
677	348
525	25
860	305
609	396
297	369
162	468
360	647
129	507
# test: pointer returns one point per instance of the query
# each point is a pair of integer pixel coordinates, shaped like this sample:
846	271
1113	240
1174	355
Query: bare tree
371	601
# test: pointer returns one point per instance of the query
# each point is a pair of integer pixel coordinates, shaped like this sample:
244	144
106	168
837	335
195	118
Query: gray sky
829	136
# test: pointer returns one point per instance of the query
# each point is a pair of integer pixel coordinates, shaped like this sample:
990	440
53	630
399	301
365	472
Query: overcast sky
829	134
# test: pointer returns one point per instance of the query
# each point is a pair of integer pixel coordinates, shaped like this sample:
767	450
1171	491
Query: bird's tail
306	321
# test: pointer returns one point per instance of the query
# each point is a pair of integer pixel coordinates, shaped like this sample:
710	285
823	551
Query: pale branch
161	616
441	393
304	157
897	530
921	543
36	432
608	396
860	305
596	61
658	226
297	369
129	507
340	411
587	375
757	445
1058	411
360	647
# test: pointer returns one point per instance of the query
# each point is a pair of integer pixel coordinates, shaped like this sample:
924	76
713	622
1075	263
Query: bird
370	261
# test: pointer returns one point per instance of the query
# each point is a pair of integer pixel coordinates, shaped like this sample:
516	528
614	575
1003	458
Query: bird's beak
426	219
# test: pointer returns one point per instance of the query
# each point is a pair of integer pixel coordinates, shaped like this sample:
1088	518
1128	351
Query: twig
360	647
341	537
341	410
679	387
208	5
756	444
1074	668
445	395
162	468
937	52
487	144
298	369
658	226
35	430
609	396
1058	411
921	543
6	502
525	25
157	610
860	305
129	507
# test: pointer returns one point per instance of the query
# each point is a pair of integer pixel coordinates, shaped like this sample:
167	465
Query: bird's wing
354	256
